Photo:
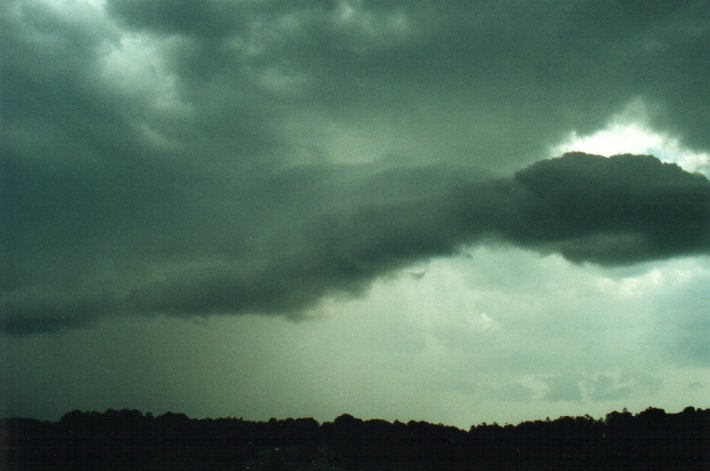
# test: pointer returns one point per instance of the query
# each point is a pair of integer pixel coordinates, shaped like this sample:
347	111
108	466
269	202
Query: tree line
130	439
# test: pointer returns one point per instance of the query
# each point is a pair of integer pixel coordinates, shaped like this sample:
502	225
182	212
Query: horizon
116	439
447	212
346	415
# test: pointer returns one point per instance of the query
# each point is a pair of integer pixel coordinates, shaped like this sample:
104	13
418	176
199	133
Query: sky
446	211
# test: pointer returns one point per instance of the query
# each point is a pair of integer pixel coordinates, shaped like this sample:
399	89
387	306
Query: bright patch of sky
630	133
135	65
77	11
369	25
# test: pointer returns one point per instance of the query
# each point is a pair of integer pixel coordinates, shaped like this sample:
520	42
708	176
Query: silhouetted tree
129	439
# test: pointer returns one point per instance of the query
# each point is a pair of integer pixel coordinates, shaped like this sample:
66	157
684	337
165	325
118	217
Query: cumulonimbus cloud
201	157
608	211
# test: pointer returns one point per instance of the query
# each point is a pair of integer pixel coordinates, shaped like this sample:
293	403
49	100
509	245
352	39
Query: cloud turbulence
579	205
192	158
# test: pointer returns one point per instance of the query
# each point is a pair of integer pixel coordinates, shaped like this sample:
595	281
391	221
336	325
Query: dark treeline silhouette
129	439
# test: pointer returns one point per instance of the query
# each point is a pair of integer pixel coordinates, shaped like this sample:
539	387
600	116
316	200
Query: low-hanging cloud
607	211
619	210
192	158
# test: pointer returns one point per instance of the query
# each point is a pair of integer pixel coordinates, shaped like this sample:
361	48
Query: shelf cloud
335	229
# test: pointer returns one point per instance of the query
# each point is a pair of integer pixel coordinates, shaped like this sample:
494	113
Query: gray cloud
184	158
562	388
41	312
617	210
582	206
513	85
605	388
609	388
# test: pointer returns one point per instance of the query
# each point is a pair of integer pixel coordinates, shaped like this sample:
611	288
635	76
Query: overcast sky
451	211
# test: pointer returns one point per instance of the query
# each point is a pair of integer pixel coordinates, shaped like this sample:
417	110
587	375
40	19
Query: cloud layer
251	157
336	229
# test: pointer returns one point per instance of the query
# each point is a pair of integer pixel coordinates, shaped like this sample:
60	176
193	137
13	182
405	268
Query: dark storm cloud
516	76
608	211
611	211
42	312
171	157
